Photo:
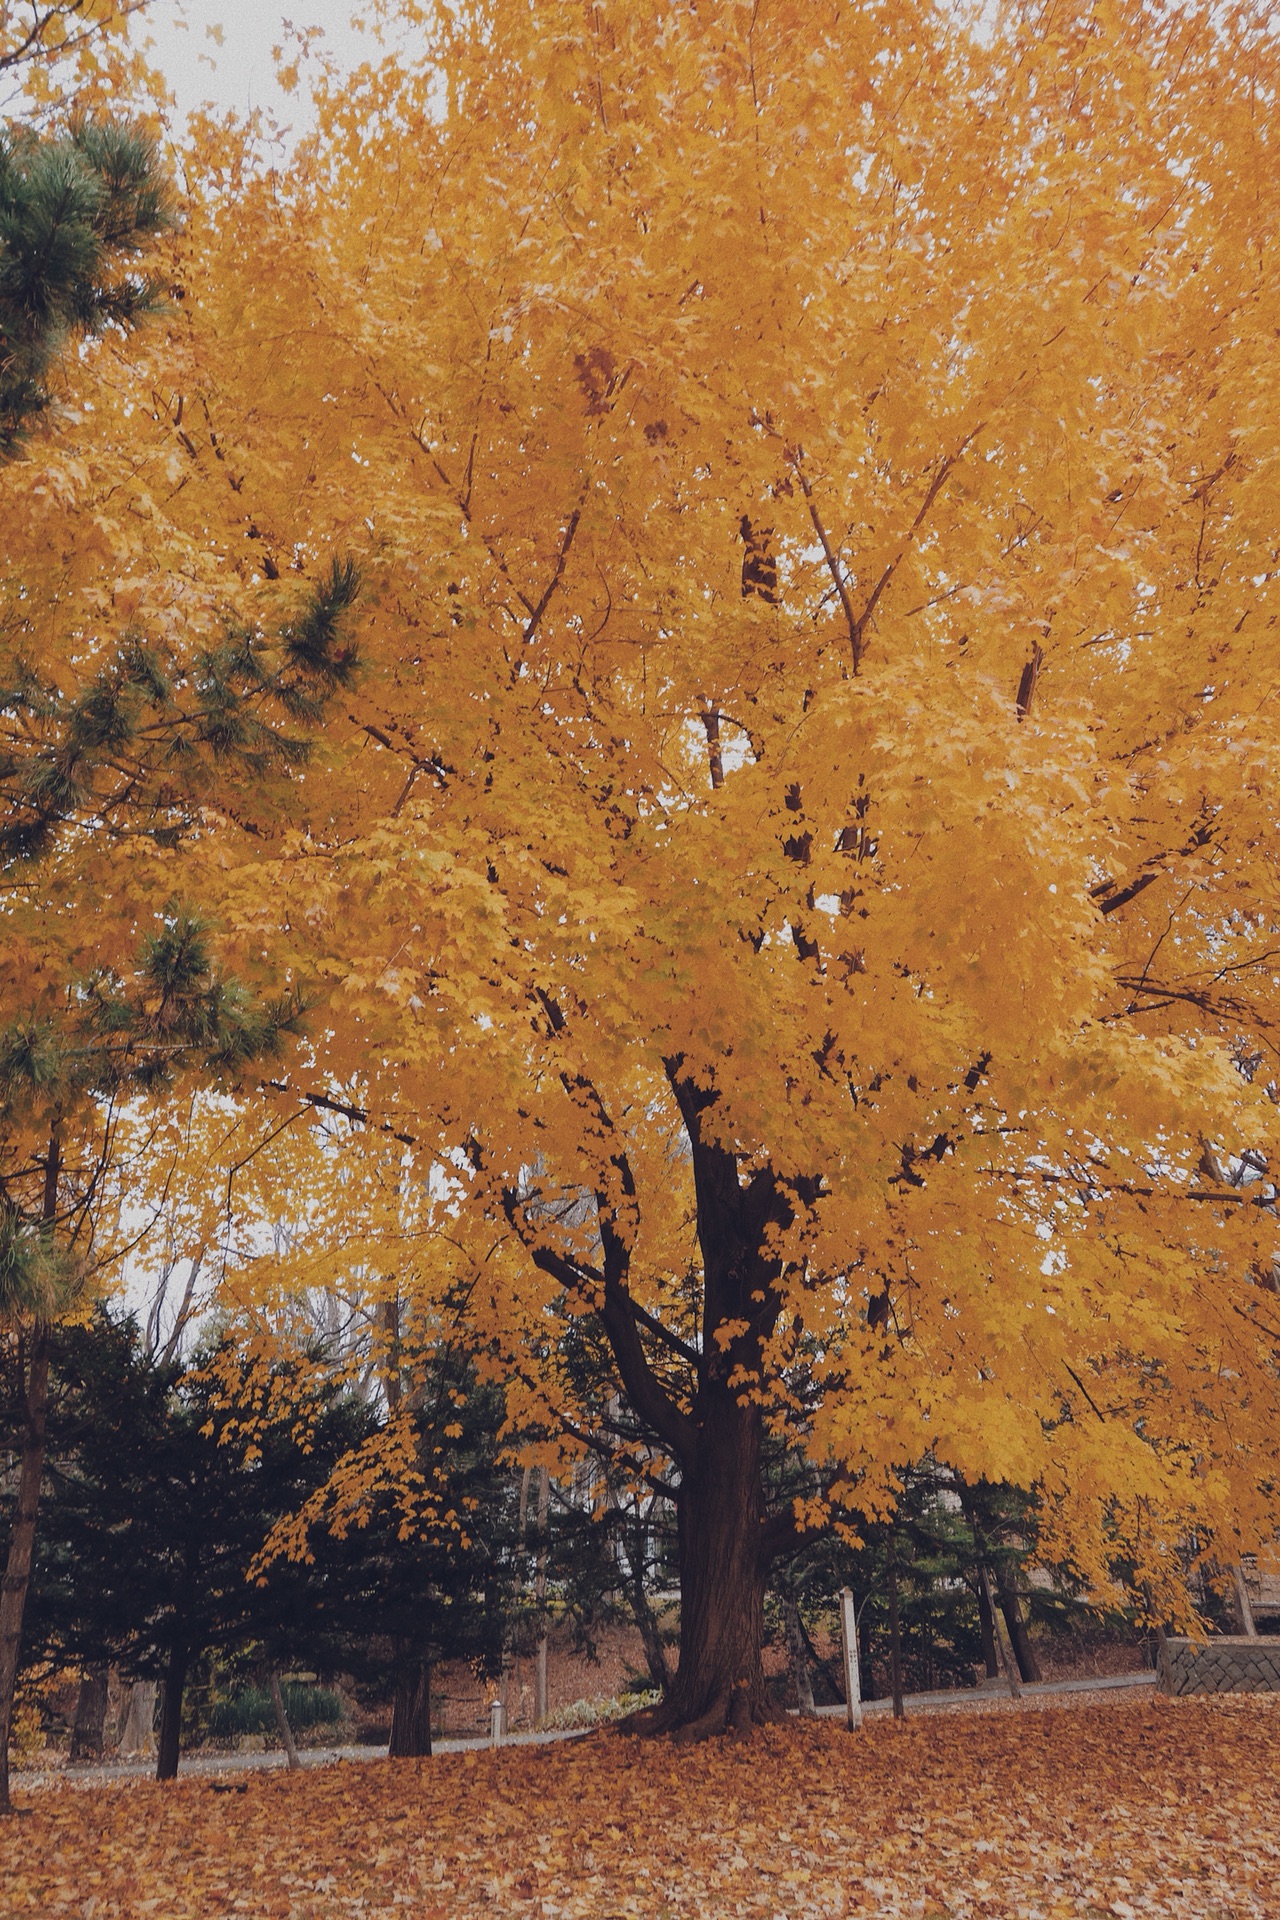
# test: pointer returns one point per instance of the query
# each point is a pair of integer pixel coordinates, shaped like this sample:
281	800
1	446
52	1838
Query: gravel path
993	1697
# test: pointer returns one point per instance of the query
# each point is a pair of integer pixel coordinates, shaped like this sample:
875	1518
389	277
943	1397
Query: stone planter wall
1230	1664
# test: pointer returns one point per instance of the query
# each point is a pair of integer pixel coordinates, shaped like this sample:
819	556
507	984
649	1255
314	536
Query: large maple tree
799	866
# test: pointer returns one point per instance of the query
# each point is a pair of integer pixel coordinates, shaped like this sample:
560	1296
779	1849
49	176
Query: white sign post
849	1647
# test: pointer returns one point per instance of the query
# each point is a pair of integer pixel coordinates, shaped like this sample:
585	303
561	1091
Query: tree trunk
17	1573
833	1681
283	1728
799	1663
138	1735
712	1429
655	1654
865	1665
540	1597
895	1636
411	1711
719	1683
175	1680
1023	1652
985	1621
87	1734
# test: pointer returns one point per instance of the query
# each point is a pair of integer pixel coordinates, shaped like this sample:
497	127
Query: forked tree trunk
719	1684
22	1539
175	1681
714	1435
987	1623
411	1712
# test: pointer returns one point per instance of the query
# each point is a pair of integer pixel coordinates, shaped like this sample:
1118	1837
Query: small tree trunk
282	1723
17	1573
509	1670
655	1654
1007	1660
540	1596
1244	1605
1023	1652
138	1735
799	1663
865	1667
986	1622
87	1733
411	1711
895	1636
175	1680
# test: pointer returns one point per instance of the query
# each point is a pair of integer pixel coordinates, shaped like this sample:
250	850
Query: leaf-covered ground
1168	1808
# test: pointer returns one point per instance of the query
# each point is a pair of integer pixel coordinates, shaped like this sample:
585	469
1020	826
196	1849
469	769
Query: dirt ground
574	1676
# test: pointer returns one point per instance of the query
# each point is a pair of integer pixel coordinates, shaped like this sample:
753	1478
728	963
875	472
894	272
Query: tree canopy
797	873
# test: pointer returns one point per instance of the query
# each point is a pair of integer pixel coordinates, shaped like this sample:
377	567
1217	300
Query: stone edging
1229	1664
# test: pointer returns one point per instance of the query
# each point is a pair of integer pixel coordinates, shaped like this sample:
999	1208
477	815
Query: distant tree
413	1544
118	1038
159	1504
941	1539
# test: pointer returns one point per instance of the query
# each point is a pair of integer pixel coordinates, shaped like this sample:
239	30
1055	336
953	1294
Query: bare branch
563	554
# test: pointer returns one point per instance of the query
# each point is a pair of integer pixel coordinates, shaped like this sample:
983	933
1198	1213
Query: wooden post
1002	1647
849	1649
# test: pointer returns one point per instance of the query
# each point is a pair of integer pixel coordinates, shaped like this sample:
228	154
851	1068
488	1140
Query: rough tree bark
138	1735
1010	1607
88	1732
411	1710
540	1598
710	1430
175	1681
719	1682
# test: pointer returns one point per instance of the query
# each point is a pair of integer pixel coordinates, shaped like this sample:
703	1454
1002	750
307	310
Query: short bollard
849	1649
495	1723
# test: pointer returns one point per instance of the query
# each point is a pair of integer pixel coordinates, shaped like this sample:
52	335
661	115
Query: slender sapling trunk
282	1723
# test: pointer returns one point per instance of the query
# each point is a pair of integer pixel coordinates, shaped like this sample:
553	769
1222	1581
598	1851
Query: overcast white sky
239	73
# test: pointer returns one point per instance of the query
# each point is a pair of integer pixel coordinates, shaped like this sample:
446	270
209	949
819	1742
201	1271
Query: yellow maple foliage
799	865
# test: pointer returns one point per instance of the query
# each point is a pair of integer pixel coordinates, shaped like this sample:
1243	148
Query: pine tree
159	1502
60	1082
75	210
